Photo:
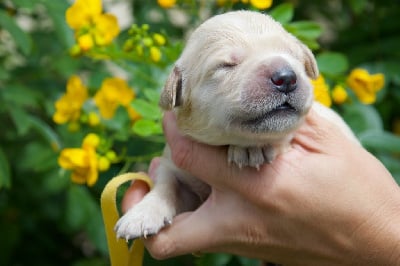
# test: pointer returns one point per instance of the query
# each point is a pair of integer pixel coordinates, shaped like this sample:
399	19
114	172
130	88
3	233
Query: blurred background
56	71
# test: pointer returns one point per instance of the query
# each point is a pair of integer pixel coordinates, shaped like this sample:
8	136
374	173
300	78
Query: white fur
221	90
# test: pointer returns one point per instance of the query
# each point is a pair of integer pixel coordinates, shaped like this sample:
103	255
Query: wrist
380	237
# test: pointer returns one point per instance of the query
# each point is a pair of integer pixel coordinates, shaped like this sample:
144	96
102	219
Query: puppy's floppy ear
172	92
309	61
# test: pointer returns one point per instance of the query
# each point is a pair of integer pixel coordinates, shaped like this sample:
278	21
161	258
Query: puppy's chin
281	119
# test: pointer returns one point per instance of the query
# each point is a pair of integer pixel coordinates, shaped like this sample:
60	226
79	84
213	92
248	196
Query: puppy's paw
250	156
146	218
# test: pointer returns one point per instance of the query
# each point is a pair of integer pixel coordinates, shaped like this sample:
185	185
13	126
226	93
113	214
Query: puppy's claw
167	222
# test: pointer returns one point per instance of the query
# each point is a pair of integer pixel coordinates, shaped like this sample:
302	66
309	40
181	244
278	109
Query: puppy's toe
256	157
251	156
269	153
238	155
143	221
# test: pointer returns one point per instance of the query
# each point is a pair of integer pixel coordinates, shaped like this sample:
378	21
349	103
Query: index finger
208	163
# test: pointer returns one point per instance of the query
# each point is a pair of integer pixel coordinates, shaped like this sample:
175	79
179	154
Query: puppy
241	81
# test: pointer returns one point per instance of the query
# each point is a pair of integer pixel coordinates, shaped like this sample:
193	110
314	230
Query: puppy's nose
284	80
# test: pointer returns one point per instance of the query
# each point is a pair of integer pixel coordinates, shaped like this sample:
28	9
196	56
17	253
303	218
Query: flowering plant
79	89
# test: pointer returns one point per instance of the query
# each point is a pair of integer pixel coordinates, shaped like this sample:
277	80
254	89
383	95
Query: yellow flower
81	12
112	156
155	54
166	3
339	94
68	107
159	39
91	26
103	163
93	119
85	42
365	85
82	162
261	4
91	141
113	93
321	91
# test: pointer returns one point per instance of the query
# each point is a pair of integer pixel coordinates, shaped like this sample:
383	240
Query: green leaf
56	10
283	13
304	29
78	207
95	228
28	4
22	95
37	156
83	211
152	95
218	259
380	141
146	109
147	128
248	262
358	6
362	117
21	119
312	44
5	175
22	39
332	64
46	132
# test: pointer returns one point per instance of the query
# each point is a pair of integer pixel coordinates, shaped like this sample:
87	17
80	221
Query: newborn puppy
241	81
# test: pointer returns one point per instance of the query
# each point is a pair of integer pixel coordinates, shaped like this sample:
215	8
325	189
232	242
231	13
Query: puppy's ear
172	92
310	63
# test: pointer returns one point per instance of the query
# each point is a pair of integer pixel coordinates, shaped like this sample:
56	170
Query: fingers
208	163
193	156
139	188
134	194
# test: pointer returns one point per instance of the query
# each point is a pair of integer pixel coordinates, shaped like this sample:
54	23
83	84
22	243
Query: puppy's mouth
280	111
284	107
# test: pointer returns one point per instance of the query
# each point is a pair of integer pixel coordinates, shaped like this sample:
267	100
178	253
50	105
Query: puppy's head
241	80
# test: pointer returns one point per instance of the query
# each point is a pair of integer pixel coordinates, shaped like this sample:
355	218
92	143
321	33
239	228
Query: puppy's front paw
250	156
146	218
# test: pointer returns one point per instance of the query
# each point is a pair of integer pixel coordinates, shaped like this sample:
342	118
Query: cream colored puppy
242	81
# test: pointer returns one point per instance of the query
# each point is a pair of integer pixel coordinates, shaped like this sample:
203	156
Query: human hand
327	201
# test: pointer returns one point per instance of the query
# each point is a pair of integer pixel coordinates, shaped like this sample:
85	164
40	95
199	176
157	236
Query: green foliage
48	220
332	64
22	39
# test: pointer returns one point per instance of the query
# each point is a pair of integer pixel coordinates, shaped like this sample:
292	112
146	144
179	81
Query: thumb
323	130
189	232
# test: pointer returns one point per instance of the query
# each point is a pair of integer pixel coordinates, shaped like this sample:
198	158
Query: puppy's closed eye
227	65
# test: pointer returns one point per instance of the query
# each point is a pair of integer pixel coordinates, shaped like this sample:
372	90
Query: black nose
284	80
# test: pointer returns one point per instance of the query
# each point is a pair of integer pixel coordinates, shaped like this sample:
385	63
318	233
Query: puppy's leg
154	211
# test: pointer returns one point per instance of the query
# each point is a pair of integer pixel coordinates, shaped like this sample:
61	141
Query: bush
79	93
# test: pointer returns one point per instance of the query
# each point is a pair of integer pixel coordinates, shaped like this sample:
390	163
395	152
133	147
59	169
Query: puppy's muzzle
284	80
